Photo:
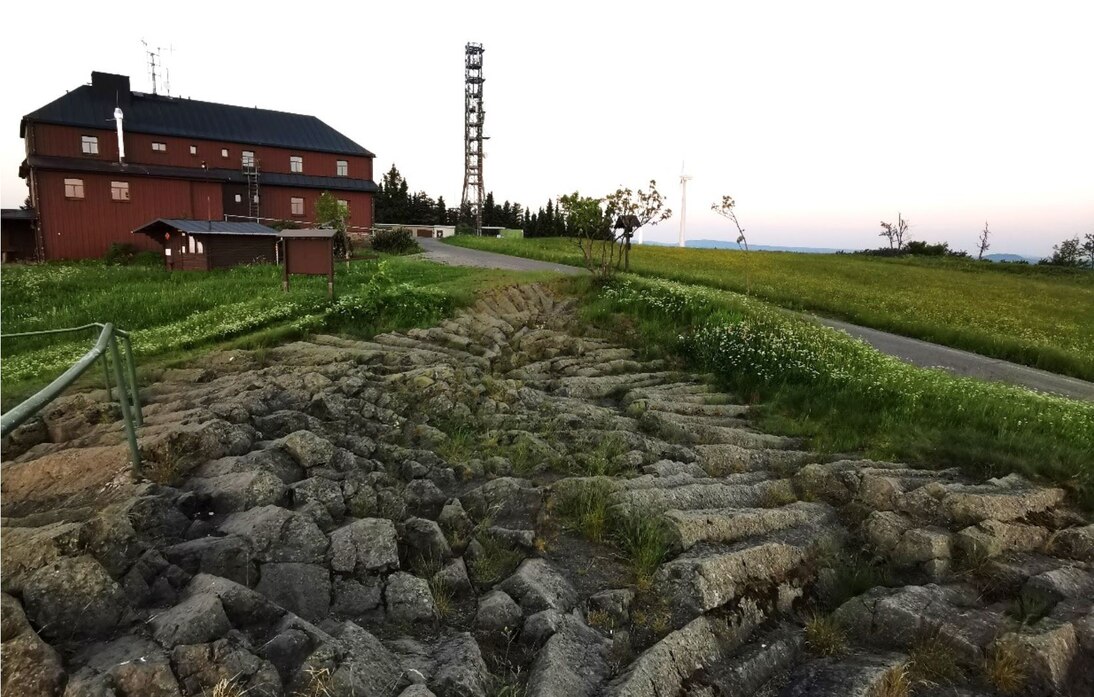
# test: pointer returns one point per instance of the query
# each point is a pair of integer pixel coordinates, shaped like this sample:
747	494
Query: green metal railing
125	377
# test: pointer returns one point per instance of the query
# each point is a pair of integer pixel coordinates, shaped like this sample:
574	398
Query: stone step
854	676
601	387
728	525
723	458
710	576
687	493
762	660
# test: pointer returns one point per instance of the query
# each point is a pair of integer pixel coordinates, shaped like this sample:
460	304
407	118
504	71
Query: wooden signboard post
308	252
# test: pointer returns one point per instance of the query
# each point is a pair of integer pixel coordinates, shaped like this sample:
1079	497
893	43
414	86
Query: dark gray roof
209	227
19	214
310	233
232	176
92	106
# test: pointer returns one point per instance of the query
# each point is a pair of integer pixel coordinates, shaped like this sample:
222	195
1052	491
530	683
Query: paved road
913	351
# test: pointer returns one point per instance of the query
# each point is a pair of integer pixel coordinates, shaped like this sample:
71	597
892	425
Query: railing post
127	416
132	366
106	378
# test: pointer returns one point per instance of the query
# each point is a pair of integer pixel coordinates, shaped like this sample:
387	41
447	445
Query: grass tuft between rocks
1005	669
824	636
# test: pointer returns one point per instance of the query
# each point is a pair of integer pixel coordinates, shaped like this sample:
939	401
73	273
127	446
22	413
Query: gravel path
914	351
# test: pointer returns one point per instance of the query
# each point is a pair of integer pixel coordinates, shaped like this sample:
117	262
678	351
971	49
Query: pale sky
820	118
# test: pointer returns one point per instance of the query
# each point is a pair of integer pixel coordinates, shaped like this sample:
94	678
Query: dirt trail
411	515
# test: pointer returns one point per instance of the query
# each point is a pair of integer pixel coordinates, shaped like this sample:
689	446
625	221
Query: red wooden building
203	245
183	159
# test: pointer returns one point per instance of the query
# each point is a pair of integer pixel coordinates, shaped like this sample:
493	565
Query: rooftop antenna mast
473	116
155	64
684	179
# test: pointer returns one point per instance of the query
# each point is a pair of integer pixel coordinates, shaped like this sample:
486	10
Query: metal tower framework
473	116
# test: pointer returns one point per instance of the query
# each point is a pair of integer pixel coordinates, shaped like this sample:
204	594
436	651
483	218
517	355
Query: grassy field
1026	314
173	312
844	395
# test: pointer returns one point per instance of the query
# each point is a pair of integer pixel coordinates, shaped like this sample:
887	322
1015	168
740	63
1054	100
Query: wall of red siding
65	141
277	203
85	228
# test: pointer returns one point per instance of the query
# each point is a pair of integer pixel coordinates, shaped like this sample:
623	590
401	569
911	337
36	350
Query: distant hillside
1010	257
726	244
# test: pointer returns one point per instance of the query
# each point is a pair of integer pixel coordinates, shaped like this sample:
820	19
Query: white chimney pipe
121	135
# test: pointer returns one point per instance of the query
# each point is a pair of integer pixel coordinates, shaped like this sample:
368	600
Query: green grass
170	314
844	395
1033	315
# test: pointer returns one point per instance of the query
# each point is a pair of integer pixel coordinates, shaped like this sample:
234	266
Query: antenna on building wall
473	116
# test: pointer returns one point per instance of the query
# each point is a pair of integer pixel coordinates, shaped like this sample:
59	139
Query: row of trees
396	204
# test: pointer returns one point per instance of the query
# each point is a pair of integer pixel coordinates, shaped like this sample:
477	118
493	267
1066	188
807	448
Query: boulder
453	577
307	448
455	521
407	598
573	663
1075	543
498	613
246	609
74	596
536	585
201	667
883	529
304	589
238	491
364	547
196	620
354	598
322	491
509	502
227	556
25	550
424	540
276	534
128	666
990	538
31	667
460	669
368	670
615	603
424	498
540	627
921	545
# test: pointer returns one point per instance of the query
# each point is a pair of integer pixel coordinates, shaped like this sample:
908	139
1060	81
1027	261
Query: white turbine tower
684	179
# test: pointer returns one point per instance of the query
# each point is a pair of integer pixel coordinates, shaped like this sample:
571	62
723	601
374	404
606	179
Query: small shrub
318	683
120	254
895	683
600	619
585	510
643	539
443	597
394	241
495	562
603	460
228	687
1005	669
931	660
824	635
1029	609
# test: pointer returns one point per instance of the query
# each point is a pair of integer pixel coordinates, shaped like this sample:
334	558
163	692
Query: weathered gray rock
354	598
424	540
364	547
1049	652
368	669
25	550
417	691
129	665
690	527
666	666
424	498
615	603
74	597
498	613
990	538
304	589
858	676
455	521
200	667
920	545
573	663
453	577
540	627
31	666
228	556
322	491
407	598
307	448
460	669
196	620
536	585
239	491
509	502
277	534
246	609
883	529
1075	543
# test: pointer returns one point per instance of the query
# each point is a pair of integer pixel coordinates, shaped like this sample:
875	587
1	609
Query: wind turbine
684	179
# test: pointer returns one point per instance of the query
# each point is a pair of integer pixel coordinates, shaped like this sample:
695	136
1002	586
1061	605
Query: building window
239	198
224	152
296	163
89	145
248	158
193	150
297	205
159	147
74	188
119	191
342	168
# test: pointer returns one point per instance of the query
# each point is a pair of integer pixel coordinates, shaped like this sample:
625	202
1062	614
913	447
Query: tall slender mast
683	206
473	116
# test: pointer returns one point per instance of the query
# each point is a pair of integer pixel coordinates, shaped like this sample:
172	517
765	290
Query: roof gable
92	106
